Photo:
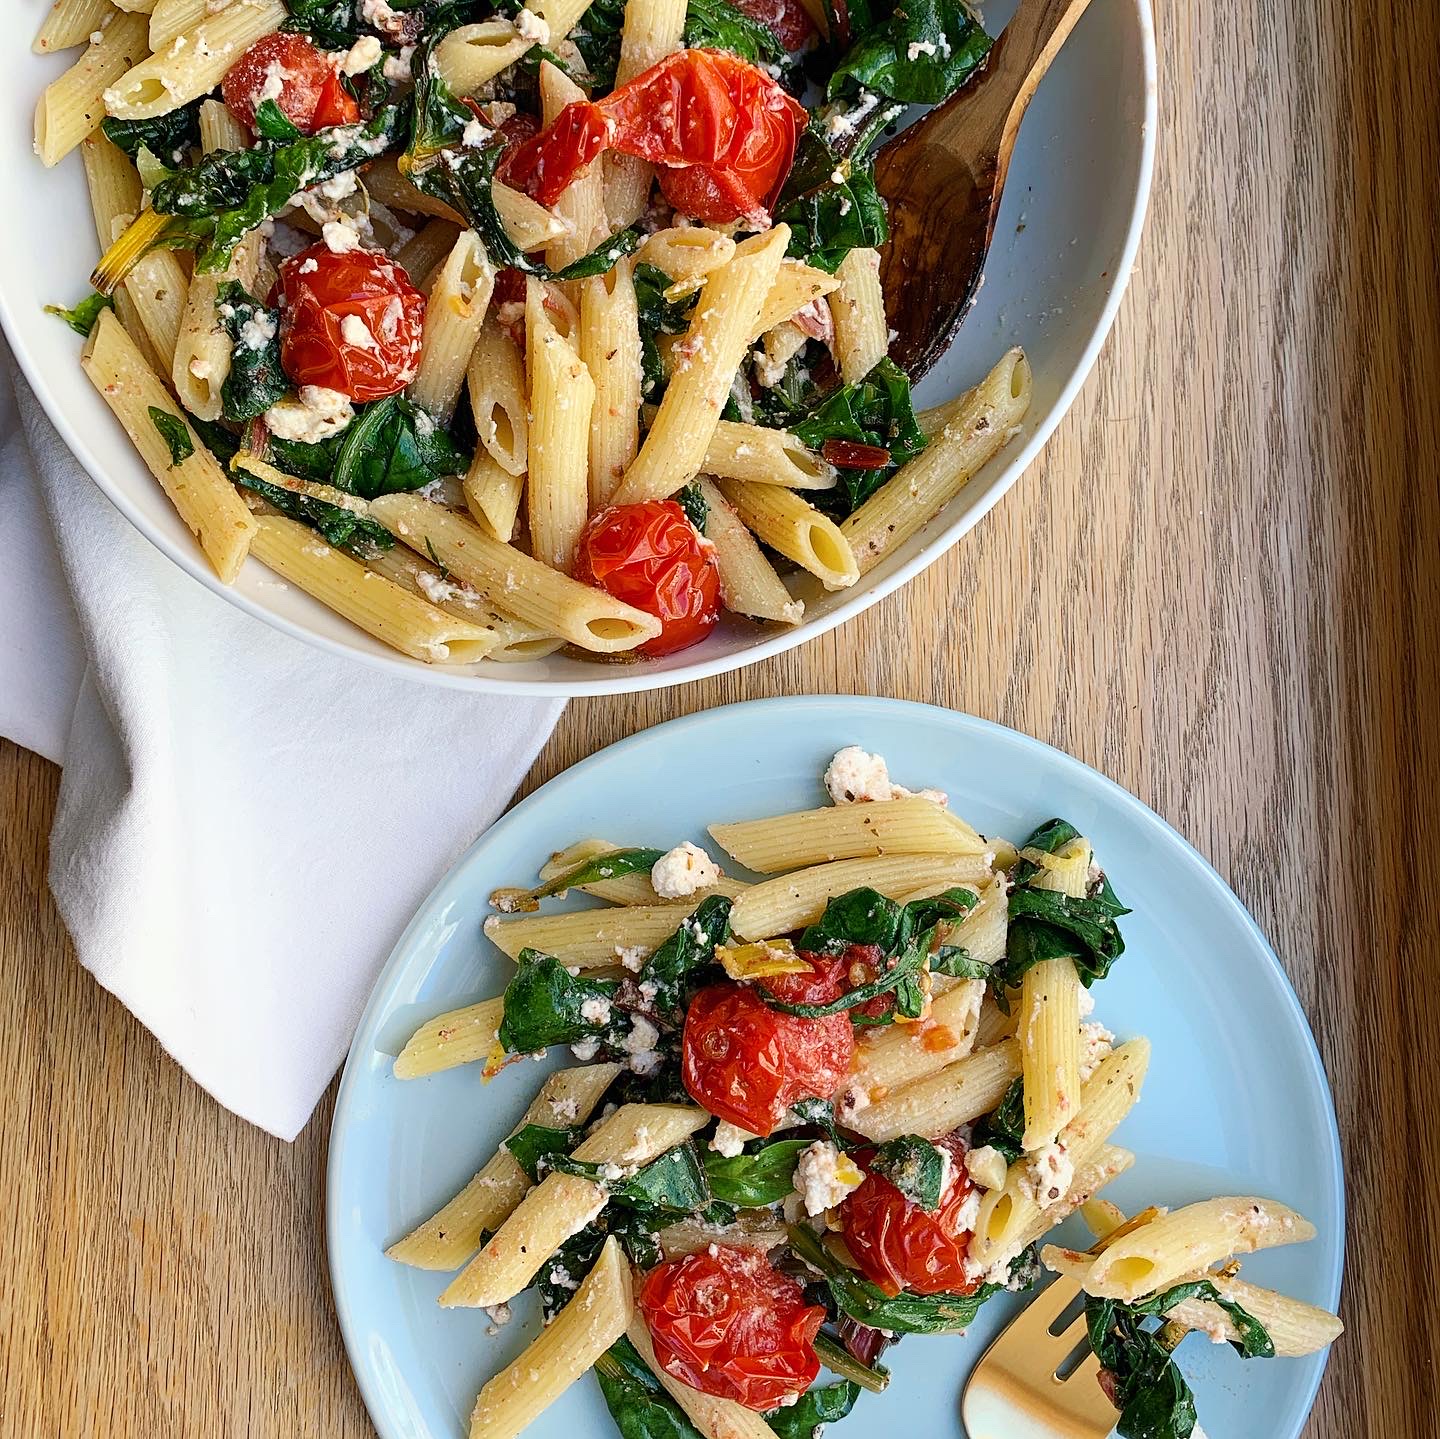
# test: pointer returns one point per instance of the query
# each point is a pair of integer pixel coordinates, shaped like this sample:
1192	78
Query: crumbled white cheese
585	1050
397	67
273	85
378	13
97	37
595	1010
986	1166
632	956
475	133
643	1035
354	331
1051	1172
916	48
340	236
529	26
363	55
682	871
855	776
257	332
566	1110
729	1139
315	415
339	186
1095	1043
823	1177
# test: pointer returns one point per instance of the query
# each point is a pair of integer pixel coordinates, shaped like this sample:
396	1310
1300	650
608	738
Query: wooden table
1217	585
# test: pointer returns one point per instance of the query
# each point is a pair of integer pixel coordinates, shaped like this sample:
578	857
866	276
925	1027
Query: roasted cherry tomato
834	975
350	322
291	71
898	1245
726	1322
650	556
720	130
792	27
748	1063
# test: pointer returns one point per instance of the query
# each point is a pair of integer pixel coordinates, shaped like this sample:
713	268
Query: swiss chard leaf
718	25
874	411
867	1303
831	204
272	123
170	138
330	23
667	974
917	1168
814	1408
84	316
1004	1127
753	1181
610	865
692	501
307	462
337	526
1154	1400
255	381
672	1184
859	916
173	432
215	203
1045	924
924	51
561	1275
532	1143
638	1405
393	446
658	316
900	978
544	1005
1254	1341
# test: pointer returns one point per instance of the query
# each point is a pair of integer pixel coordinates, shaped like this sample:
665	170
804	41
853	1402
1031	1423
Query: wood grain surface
1217	585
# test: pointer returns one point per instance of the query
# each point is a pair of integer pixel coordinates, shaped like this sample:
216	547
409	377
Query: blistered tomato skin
650	556
748	1063
310	93
898	1245
350	322
726	1322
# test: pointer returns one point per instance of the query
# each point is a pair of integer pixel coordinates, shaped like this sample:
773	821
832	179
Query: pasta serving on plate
818	1111
498	329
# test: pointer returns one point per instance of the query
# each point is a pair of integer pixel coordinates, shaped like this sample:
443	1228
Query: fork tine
1050	1304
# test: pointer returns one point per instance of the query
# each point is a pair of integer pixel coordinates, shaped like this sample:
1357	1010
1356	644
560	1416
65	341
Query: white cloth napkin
245	823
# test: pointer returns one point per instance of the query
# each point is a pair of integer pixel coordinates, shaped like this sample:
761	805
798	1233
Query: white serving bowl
1064	246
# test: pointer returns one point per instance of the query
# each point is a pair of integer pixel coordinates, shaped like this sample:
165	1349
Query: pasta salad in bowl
522	334
811	1108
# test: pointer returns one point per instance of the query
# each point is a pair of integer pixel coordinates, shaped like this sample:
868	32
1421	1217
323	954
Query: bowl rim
634	679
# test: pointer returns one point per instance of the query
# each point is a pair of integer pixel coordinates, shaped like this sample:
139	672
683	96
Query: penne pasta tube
981	933
472	55
918	491
562	398
956	1095
169	18
70	23
995	1024
492	495
780	905
522	586
764	456
748	582
913	825
587	938
426	248
460	1036
714	1417
862	333
1159	1254
710	353
893	1055
582	206
563	1204
610	348
686	252
453	317
1090	1178
498	401
796	285
198	488
71	107
1049	1033
578	1335
380	607
782	520
194	62
1295	1328
450	1236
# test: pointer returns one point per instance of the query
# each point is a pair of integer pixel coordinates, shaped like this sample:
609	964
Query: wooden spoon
943	178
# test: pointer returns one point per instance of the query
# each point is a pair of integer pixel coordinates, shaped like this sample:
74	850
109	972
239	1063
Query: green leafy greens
255	381
337	526
753	1181
668	973
173	431
822	1405
917	1168
169	138
718	25
544	1005
830	203
83	317
393	446
923	51
610	865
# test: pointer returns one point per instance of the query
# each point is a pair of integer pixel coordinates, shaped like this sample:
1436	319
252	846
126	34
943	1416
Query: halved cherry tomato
350	322
852	455
721	131
748	1063
727	1322
650	556
898	1245
834	975
786	18
310	94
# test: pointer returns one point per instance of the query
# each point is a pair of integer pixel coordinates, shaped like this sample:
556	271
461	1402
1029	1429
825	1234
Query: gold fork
1014	1391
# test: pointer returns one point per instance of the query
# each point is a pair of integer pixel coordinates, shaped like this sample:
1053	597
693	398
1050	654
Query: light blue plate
1236	1101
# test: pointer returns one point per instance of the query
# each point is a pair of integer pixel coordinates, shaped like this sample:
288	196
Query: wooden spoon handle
1022	55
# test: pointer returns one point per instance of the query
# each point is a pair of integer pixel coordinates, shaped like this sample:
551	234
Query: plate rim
635	679
860	706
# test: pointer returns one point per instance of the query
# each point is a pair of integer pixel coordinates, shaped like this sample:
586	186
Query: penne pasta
496	379
582	206
198	488
72	107
913	825
492	495
1295	1328
686	252
765	456
587	938
460	1036
450	1236
1049	1033
918	491
781	519
862	333
524	587
70	23
562	1204
796	286
748	582
453	319
610	349
956	1095
894	1055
